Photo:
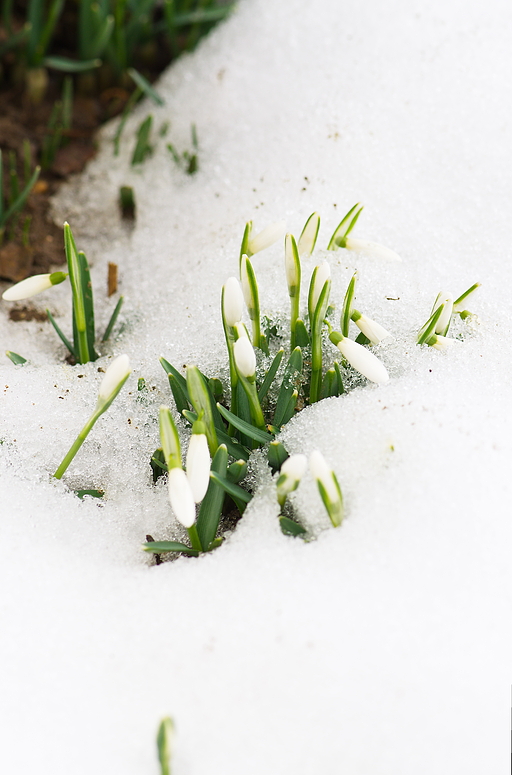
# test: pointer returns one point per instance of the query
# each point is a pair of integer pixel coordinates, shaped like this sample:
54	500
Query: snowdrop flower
372	330
363	361
443	322
459	304
181	498
245	358
290	474
292	265
232	302
307	239
328	486
267	237
114	379
371	249
33	285
198	463
439	342
169	438
321	274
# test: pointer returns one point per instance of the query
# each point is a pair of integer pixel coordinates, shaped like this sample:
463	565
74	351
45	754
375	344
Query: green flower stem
77	443
194	538
254	402
233	373
316	365
294	315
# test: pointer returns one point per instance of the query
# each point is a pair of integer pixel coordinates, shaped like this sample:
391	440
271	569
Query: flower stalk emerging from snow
340	238
165	742
290	474
245	362
328	487
318	301
293	277
360	358
114	379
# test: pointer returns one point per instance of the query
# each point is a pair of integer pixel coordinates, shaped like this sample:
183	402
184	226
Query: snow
383	646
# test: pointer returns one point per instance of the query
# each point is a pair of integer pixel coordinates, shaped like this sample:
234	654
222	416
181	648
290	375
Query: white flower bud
291	265
372	330
371	249
443	342
232	302
32	286
328	486
198	465
323	273
115	376
267	237
245	358
290	474
446	314
181	498
363	361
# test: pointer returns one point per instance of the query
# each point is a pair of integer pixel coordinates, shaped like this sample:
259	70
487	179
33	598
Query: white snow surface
382	647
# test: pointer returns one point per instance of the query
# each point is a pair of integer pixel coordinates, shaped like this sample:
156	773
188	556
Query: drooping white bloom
443	342
371	329
267	237
232	302
323	273
198	465
33	285
245	358
328	486
363	361
371	249
181	498
290	474
115	377
446	314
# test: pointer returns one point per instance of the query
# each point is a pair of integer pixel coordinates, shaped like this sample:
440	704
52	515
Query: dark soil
19	121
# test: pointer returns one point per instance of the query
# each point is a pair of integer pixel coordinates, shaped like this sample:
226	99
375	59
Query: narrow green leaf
339	379
62	337
142	146
309	234
169	369
146	87
235	449
249	430
292	373
290	408
113	318
211	507
180	398
237	493
160	547
271	373
329	384
277	454
158	464
66	65
92	493
427	330
362	339
20	201
86	284
345	226
346	311
237	471
301	334
18	360
291	528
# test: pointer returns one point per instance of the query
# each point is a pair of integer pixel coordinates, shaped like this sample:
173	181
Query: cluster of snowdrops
267	385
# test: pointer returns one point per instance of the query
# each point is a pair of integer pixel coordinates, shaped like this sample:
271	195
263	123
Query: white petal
294	466
372	249
232	302
324	474
181	498
292	273
198	466
444	342
267	237
322	275
447	300
245	359
116	373
372	330
27	288
363	361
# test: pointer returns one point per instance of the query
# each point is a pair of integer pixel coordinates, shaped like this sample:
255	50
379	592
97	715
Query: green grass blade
18	360
86	284
290	408
302	338
262	437
237	471
160	547
269	376
346	225
169	369
62	337
277	454
113	318
237	493
145	86
340	387
20	201
211	507
65	65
